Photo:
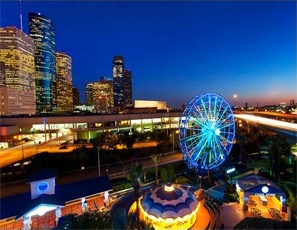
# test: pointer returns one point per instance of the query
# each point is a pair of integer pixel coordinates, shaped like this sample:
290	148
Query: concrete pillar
84	204
106	199
58	214
49	132
27	222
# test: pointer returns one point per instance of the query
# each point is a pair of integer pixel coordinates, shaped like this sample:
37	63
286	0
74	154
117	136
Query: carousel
169	207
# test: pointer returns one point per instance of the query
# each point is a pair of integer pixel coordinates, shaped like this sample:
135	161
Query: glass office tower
118	82
64	82
17	78
41	29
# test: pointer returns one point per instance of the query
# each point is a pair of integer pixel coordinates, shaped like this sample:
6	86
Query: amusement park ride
206	132
206	136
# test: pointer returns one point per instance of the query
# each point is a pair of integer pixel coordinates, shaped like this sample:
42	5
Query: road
28	149
289	126
113	171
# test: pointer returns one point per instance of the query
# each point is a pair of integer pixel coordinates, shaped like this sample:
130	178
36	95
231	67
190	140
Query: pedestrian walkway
231	214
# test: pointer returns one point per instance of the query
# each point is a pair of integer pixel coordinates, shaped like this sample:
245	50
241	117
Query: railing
213	210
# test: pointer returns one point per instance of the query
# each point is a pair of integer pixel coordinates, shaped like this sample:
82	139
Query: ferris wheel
206	131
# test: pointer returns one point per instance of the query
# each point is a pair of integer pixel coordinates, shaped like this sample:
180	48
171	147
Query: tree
88	220
111	140
156	159
106	140
164	174
242	141
124	220
171	172
128	140
99	141
135	171
134	175
292	203
278	147
163	141
255	133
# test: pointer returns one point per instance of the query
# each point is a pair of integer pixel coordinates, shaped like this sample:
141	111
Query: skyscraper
64	82
100	95
118	82
75	96
17	75
42	31
128	88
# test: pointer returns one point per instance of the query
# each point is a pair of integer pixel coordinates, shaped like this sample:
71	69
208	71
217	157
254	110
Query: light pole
23	150
98	155
235	96
173	141
173	133
22	165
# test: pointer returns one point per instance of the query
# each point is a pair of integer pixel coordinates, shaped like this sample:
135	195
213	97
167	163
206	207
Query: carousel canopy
169	202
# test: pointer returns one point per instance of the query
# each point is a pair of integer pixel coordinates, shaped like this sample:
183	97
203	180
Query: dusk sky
177	50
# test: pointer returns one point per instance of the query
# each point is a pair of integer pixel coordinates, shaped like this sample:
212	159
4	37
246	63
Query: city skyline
176	50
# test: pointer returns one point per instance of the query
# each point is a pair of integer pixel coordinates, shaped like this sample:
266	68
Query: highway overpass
86	127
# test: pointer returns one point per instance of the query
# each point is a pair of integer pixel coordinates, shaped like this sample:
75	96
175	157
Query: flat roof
252	182
20	204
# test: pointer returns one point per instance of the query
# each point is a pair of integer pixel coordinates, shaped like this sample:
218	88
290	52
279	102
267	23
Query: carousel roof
169	202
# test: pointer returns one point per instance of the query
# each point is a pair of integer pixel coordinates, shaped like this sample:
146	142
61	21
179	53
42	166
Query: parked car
64	147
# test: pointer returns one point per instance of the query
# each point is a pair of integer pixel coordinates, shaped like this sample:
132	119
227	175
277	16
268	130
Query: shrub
171	172
164	175
181	180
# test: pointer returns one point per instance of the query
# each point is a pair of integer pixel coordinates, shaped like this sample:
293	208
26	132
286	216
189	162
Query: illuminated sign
265	194
42	186
265	189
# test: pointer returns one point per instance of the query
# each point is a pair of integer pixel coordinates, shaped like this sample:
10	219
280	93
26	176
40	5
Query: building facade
41	29
128	88
118	82
100	95
16	102
75	96
17	77
64	82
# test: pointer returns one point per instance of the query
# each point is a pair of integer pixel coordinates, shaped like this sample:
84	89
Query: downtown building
122	84
128	88
41	29
100	95
17	75
75	96
64	83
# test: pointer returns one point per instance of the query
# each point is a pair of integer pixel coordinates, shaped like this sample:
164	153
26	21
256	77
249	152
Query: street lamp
235	96
229	172
98	148
173	133
23	157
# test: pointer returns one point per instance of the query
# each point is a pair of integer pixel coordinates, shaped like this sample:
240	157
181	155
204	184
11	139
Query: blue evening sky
178	49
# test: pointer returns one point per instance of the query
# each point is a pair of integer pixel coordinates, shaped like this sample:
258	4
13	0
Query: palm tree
135	171
156	159
134	175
